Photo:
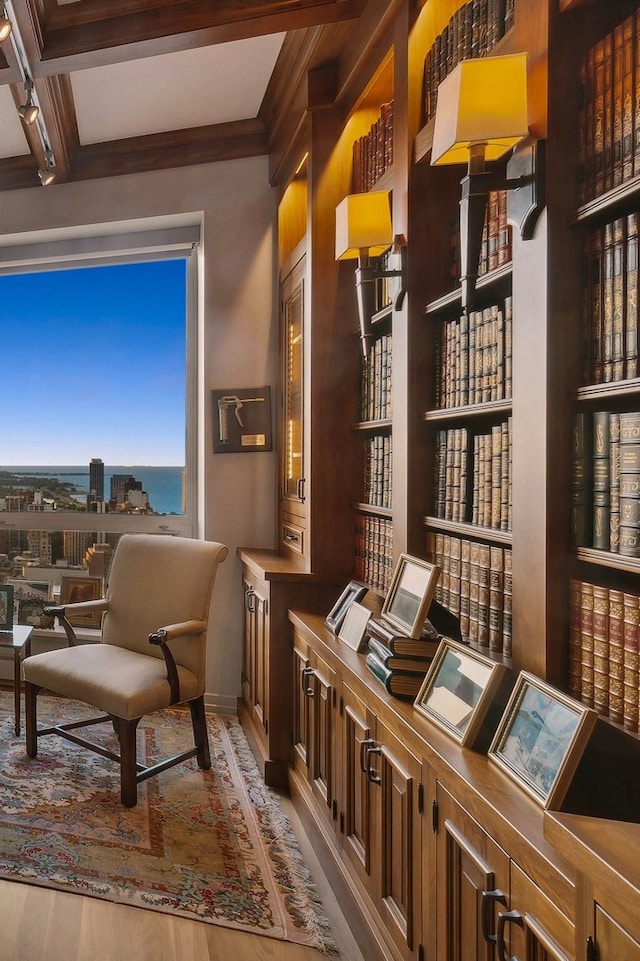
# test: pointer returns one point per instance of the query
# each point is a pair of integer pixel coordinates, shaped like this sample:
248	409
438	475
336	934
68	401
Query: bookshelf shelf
491	408
494	279
606	559
374	426
472	531
610	203
374	511
611	391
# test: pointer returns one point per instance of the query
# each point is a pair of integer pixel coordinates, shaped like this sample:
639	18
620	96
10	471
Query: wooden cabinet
446	857
271	584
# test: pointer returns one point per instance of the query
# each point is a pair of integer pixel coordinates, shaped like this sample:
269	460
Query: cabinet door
612	941
256	652
314	726
292	427
472	878
534	929
398	828
358	737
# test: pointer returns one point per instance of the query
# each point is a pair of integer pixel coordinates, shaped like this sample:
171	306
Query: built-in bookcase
605	469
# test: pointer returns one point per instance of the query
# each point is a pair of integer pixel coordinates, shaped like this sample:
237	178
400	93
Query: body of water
162	484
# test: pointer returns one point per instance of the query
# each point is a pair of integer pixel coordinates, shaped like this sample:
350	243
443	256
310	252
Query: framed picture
31	612
76	589
354	591
541	738
464	692
6	607
354	626
241	418
410	593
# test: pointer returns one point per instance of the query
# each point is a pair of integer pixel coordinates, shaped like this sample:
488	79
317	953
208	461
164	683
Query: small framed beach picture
6	607
354	626
464	692
541	738
74	590
354	591
410	593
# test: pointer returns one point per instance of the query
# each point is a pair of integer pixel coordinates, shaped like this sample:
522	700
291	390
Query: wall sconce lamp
364	231
481	114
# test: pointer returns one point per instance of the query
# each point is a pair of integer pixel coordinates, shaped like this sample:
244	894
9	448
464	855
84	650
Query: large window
98	400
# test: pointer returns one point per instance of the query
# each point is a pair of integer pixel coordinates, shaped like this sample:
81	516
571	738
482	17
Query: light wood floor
43	925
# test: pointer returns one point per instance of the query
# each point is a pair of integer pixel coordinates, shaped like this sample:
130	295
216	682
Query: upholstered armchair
151	653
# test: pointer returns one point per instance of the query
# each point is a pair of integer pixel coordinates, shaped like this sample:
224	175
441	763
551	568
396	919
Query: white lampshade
481	101
363	222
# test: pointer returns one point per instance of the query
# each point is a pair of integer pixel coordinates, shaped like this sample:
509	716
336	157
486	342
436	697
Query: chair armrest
162	636
81	607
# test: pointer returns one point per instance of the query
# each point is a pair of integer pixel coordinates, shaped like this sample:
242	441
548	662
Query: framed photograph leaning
465	692
354	626
541	738
410	593
354	591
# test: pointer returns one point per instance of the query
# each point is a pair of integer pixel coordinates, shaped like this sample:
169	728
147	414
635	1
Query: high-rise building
96	478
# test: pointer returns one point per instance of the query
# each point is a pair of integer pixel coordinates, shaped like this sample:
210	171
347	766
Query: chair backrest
156	580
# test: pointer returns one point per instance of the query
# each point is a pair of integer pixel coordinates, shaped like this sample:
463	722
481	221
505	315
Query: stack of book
399	662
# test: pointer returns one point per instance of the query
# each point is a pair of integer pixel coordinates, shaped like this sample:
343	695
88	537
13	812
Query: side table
18	642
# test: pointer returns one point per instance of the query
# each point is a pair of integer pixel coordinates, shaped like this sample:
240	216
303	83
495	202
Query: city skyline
94	365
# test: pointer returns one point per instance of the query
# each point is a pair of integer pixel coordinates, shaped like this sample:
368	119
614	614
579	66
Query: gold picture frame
77	589
541	738
410	593
464	692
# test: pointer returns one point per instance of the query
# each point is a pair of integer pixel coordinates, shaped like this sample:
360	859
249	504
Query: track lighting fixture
5	27
47	174
29	110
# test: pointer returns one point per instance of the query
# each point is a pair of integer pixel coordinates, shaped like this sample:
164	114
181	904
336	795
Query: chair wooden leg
200	733
128	770
31	717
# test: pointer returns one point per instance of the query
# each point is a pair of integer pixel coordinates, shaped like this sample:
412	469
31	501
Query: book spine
601	480
586	628
575	640
600	649
616	656
581	481
631	298
630	628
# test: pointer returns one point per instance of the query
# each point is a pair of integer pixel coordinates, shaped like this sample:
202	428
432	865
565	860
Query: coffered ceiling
134	85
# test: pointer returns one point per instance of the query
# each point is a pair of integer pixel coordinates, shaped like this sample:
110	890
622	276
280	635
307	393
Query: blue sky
93	365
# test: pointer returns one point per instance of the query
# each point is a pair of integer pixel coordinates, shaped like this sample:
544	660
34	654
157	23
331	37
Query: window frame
110	249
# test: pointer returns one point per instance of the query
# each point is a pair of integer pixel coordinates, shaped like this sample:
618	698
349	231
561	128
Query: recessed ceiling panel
174	91
13	142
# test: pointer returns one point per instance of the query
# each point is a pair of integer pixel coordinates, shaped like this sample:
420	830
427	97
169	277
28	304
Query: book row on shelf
472	31
475	585
375	381
378	483
486	502
609	111
609	340
606	481
474	357
603	650
373	551
373	152
496	246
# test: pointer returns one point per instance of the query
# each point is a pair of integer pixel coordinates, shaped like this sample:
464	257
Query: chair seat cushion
113	679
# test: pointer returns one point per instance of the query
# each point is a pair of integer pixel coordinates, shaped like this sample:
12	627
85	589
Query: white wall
236	207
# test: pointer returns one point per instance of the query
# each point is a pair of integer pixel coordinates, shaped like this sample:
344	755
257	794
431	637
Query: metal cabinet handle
367	748
365	744
307	674
300	489
504	918
249	595
488	899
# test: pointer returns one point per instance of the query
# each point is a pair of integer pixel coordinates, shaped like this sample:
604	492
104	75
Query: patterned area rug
212	846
